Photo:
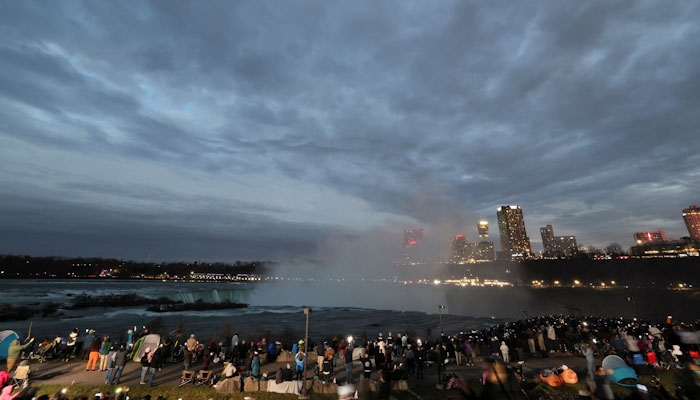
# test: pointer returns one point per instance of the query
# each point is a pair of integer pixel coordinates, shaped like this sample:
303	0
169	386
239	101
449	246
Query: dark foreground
51	377
527	347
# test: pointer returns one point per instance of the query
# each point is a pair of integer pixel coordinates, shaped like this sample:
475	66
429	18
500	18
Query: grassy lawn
670	380
168	392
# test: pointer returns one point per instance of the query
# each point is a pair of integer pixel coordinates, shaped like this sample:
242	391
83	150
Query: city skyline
690	215
268	130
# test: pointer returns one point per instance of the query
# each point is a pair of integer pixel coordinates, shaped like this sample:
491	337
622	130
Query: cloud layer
256	129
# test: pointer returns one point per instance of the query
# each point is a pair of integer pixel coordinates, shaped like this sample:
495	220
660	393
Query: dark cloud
255	129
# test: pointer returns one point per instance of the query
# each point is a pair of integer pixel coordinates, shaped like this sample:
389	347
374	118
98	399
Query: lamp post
440	308
303	394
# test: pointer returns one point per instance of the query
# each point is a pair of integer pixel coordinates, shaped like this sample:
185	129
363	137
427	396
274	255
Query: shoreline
258	321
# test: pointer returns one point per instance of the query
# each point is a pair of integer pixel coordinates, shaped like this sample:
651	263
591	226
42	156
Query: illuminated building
462	252
483	228
412	237
667	249
411	248
648	237
558	246
460	249
691	216
547	240
484	251
511	226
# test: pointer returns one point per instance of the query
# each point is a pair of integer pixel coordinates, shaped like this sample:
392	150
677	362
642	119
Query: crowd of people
390	357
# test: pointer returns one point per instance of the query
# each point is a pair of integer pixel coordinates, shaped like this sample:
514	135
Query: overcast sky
268	129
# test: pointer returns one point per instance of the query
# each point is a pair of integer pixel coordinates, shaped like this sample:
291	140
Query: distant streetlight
303	394
440	308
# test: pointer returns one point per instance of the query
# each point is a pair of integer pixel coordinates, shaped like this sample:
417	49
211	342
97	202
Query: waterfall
208	296
186	297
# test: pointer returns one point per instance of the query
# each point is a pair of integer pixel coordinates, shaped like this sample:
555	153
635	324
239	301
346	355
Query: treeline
24	266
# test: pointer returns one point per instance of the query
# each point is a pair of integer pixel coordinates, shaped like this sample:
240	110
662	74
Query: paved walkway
55	372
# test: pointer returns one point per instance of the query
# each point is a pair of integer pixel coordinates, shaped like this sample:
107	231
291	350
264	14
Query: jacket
15	348
6	393
96	345
111	357
300	362
255	367
144	360
157	359
106	346
72	339
120	358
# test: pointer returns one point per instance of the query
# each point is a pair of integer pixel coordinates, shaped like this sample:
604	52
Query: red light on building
649	237
459	236
412	242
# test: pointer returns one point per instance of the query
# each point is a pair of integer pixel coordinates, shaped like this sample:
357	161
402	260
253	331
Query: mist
367	270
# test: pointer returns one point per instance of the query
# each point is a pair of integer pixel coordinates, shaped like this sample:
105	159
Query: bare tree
614	249
592	251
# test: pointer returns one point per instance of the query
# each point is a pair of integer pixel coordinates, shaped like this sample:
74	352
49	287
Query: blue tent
622	374
6	337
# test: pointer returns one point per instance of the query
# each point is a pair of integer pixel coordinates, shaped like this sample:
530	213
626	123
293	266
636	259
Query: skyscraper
484	249
547	234
557	246
483	228
459	249
511	226
691	216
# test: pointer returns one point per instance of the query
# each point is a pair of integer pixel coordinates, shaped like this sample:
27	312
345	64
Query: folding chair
187	378
21	375
203	378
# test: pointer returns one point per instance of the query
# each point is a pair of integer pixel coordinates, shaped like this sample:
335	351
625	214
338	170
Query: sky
227	130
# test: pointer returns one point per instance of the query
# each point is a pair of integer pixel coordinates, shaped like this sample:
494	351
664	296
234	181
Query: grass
207	393
168	392
670	379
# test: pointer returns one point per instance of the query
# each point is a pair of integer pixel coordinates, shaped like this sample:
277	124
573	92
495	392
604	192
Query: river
340	307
